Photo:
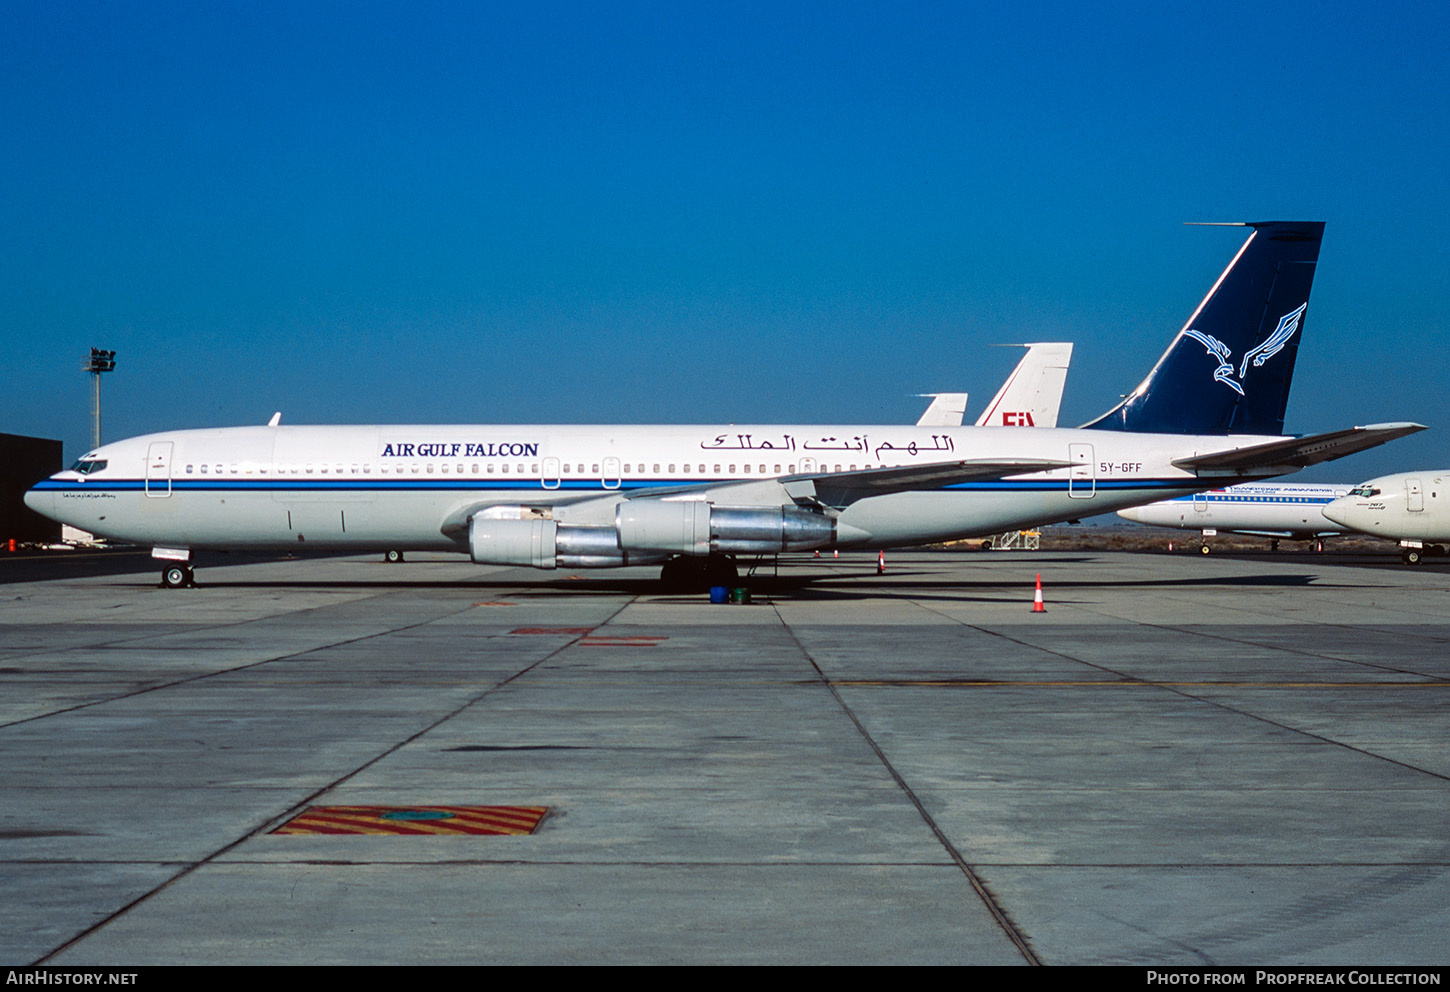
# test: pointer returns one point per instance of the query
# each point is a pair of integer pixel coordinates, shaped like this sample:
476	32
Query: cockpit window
1363	491
86	467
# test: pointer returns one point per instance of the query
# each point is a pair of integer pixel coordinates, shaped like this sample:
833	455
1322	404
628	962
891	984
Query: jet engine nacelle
645	531
693	527
548	544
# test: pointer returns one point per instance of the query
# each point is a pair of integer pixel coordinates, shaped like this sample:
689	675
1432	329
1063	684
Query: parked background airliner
692	497
1412	508
1261	509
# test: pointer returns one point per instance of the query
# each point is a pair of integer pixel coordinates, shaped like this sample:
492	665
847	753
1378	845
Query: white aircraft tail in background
1030	397
1032	394
944	410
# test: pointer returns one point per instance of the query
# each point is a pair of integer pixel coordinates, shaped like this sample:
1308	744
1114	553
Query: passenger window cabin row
486	468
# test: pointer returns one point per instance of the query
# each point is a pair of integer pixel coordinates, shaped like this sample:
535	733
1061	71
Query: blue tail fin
1228	371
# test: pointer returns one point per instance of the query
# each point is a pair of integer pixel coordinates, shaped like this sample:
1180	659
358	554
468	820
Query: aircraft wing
836	489
1292	454
842	488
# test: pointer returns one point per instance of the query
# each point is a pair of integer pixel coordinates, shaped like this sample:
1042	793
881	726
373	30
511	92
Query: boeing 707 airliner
692	498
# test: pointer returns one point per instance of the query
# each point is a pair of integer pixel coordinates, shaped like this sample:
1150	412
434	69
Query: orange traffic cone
1037	606
881	563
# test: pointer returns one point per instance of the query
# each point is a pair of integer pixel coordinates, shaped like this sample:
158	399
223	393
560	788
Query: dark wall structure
24	461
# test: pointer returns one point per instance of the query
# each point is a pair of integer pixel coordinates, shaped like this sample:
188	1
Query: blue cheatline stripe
533	485
1291	500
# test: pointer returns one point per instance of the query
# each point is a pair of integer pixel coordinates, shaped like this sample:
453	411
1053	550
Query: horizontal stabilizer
1291	454
842	488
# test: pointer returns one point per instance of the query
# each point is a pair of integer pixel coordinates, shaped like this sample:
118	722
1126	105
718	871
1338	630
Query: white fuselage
417	487
1261	508
1413	508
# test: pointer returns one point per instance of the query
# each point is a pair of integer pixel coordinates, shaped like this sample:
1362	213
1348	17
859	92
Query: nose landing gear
179	576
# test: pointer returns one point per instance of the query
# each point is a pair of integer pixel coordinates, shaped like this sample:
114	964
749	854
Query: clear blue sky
700	212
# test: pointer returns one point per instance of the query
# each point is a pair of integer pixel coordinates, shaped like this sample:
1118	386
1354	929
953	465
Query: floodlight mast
100	361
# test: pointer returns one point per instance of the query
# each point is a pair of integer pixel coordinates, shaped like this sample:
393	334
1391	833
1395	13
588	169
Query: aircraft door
158	470
1081	478
550	478
1414	495
1200	502
610	478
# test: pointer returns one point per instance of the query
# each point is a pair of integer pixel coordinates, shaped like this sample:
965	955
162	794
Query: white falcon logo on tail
1288	325
1218	350
1261	353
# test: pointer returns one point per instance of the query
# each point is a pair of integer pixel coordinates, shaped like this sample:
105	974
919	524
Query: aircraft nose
1131	514
41	502
1341	510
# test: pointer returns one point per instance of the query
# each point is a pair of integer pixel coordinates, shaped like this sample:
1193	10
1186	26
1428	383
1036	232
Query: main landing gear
178	576
690	574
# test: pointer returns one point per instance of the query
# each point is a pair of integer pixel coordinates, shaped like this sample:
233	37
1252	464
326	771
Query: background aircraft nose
1340	510
41	502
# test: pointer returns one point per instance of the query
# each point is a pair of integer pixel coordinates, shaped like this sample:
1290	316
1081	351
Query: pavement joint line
1220	704
223	671
190	867
1292	650
1168	593
209	675
988	899
1284	648
1307	622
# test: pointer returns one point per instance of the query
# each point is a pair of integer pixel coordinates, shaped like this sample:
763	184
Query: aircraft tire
392	557
1412	556
177	577
1204	549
